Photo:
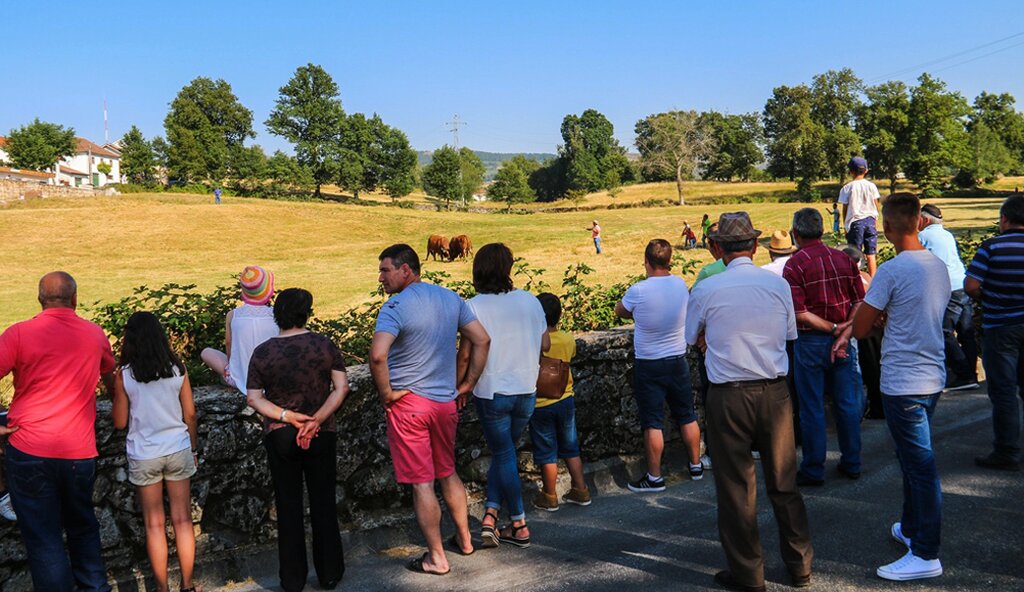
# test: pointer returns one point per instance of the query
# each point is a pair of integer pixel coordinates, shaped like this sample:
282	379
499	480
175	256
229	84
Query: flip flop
453	546
416	565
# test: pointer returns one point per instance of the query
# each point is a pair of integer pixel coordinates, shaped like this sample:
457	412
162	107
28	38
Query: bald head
58	289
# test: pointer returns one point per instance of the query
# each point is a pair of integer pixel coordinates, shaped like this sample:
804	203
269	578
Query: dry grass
114	244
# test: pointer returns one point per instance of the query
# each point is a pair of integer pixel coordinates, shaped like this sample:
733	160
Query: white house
83	167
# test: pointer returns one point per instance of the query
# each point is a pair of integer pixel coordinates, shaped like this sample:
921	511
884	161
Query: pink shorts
421	436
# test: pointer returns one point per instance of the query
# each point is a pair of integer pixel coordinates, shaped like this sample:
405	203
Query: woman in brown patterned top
297	381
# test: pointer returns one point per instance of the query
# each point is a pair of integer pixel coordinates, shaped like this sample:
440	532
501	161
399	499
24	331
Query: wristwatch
834	327
283	412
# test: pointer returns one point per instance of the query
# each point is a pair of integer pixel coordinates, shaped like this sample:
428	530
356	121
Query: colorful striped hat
257	285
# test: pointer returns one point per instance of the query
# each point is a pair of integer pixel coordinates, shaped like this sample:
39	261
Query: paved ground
668	541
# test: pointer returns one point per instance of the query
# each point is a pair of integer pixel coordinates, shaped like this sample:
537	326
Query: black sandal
454	547
488	534
416	565
521	542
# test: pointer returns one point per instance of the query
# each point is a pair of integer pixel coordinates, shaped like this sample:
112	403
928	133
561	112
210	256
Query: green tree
205	125
674	143
988	157
308	114
883	123
835	100
247	170
938	140
374	156
159	147
795	142
137	159
511	183
441	178
594	160
285	173
354	170
39	145
999	114
737	140
395	161
549	181
472	172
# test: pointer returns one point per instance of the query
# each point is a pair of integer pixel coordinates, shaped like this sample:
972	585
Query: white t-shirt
250	326
155	426
516	324
859	197
658	305
777	265
913	288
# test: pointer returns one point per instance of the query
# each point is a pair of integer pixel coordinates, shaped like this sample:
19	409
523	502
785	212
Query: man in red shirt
827	290
57	358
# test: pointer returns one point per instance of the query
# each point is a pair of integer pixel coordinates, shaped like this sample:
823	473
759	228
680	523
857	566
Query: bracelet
283	412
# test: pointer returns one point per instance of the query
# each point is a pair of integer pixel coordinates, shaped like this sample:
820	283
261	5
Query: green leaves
39	145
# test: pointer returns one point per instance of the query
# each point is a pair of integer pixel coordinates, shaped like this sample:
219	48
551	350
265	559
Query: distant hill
491	160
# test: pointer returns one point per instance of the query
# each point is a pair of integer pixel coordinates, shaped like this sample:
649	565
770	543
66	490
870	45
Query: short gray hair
742	246
807	223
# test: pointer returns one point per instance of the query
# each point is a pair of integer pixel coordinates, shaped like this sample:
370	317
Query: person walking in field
553	424
413	362
595	233
748	406
245	328
996	277
834	212
705	226
153	399
912	291
860	213
661	373
50	458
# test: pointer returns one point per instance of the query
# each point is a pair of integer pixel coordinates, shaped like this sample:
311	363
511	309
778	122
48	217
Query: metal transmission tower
453	126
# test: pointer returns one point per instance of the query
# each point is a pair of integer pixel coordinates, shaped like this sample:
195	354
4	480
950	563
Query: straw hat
781	243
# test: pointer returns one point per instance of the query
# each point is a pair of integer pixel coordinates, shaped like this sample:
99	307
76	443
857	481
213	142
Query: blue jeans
53	497
909	419
504	418
1003	358
553	432
961	348
597	244
813	371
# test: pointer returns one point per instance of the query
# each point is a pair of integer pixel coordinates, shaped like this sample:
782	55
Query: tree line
805	133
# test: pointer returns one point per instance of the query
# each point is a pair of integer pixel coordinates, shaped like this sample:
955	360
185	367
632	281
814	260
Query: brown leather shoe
726	580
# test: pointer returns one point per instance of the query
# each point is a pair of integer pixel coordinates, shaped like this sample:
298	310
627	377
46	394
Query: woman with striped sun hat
245	327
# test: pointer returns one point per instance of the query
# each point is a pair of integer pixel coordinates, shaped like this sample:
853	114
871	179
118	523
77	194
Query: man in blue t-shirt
958	322
996	276
412	359
912	291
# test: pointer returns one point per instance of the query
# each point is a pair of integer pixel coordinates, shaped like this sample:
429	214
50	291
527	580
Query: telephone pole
454	126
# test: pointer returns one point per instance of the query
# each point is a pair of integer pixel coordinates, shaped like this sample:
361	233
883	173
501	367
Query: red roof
3	141
25	173
70	171
82	145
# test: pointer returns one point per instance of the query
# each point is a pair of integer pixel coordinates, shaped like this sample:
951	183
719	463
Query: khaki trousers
740	416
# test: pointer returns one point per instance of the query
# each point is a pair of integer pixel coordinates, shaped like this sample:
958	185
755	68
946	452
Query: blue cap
858	163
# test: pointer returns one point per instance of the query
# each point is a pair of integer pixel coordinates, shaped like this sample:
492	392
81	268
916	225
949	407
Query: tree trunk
679	184
317	194
892	184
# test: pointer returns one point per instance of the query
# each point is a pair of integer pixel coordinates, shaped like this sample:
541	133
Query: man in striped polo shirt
996	277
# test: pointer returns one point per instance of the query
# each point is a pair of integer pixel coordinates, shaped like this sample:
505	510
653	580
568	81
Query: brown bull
437	245
460	248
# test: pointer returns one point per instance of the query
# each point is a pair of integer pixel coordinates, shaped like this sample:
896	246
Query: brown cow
461	247
437	245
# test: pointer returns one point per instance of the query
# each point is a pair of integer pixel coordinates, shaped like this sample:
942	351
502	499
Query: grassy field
113	244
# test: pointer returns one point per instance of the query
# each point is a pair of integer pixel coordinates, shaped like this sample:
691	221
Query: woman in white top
506	392
245	328
153	399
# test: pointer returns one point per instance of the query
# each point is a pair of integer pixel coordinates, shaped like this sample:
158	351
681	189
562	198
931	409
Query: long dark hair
492	269
146	349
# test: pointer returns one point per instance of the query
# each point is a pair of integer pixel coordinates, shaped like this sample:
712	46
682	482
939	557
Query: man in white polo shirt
661	373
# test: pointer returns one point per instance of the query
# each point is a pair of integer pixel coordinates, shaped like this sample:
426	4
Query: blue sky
511	70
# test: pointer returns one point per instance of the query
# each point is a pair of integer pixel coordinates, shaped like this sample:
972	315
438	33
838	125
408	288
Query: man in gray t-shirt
911	291
412	359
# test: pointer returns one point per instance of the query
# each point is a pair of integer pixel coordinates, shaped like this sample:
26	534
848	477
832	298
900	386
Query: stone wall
232	497
13	191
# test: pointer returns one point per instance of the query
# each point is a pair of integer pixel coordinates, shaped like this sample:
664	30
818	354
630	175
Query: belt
758	382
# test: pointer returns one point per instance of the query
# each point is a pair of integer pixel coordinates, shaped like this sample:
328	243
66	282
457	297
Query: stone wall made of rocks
232	498
13	191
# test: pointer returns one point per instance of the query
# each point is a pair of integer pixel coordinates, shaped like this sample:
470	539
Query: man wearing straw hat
780	249
748	405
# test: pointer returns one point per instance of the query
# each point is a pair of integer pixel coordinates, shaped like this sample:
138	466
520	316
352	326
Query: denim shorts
176	466
656	382
863	235
553	432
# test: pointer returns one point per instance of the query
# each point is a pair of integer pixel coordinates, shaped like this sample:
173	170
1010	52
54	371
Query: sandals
454	547
512	539
416	565
488	534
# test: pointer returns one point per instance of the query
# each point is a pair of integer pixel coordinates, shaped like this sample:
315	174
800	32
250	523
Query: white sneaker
6	509
705	461
910	567
897	534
